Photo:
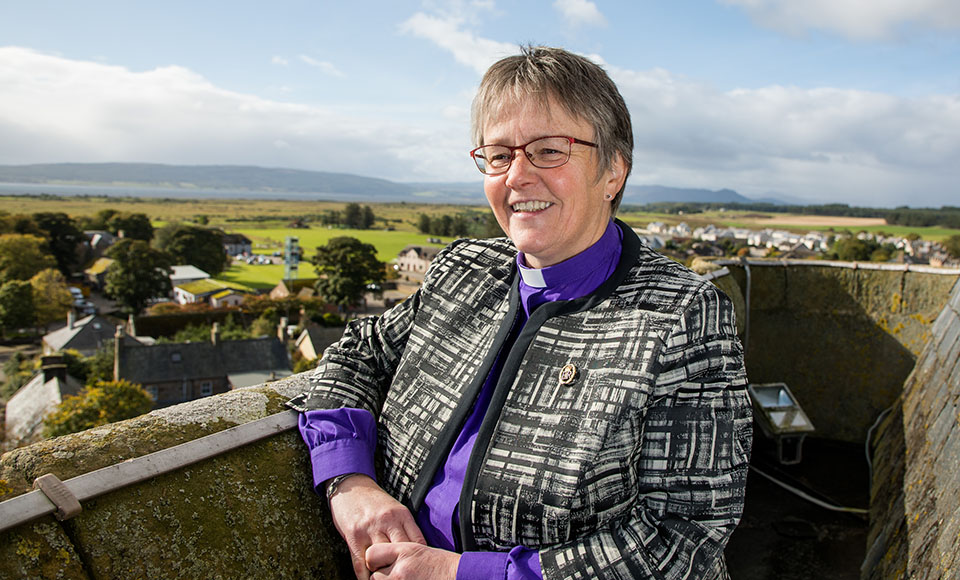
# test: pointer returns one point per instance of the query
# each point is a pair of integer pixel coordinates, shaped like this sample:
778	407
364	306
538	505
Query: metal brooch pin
568	374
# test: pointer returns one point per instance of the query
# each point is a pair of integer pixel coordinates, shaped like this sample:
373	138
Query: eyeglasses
545	153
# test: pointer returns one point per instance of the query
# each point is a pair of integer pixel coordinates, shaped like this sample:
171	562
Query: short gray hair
575	83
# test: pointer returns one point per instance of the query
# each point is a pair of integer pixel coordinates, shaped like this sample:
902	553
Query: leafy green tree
100	365
64	239
352	216
197	246
16	305
22	256
51	297
367	218
138	274
17	369
423	224
134	226
78	366
491	227
952	246
104	402
19	224
346	266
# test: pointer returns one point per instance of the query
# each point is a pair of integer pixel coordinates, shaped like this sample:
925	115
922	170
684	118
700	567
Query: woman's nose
521	170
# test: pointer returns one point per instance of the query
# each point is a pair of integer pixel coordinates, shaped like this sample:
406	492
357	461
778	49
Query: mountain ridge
275	180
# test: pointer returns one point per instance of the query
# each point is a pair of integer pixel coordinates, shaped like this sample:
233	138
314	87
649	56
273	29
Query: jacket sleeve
357	370
691	462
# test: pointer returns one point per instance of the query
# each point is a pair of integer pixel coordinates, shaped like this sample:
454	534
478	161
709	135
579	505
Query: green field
265	222
270	240
388	244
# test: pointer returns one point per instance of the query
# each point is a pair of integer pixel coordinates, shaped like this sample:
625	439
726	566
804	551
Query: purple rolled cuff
340	441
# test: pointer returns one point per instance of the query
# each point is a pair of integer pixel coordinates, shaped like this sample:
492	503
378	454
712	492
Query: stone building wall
843	336
915	526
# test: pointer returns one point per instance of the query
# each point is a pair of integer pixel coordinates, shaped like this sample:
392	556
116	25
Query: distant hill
641	194
323	185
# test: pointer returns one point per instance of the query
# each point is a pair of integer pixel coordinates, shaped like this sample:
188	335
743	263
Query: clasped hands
382	536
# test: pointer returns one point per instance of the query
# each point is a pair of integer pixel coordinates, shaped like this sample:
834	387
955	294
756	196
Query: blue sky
854	101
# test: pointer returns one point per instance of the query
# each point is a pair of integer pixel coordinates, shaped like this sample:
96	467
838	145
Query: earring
608	197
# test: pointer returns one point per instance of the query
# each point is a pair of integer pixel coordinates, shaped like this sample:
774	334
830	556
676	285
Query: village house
301	287
236	244
177	372
97	242
416	258
35	400
313	340
85	335
184	274
217	293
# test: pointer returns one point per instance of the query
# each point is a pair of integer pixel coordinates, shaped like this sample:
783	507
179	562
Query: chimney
71	319
215	333
282	329
131	325
53	367
117	351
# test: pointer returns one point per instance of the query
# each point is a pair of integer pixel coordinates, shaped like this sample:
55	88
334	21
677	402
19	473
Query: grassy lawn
262	276
388	244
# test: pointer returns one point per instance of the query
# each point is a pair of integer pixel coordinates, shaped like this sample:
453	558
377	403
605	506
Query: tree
138	274
952	246
17	369
16	305
51	297
196	246
22	256
102	403
134	226
352	216
423	224
64	239
367	219
346	266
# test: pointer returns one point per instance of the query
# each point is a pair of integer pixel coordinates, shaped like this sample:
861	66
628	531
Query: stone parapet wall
250	513
915	497
843	337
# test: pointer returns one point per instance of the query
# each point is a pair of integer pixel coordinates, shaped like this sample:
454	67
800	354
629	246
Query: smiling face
550	214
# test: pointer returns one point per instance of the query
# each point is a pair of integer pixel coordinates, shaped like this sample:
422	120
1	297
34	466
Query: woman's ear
614	177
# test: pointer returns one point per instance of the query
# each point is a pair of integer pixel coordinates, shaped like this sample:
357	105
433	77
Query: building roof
209	286
424	252
33	401
99	267
194	360
236	239
187	272
86	335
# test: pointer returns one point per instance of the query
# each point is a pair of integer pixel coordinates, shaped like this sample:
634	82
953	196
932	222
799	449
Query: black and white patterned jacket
633	466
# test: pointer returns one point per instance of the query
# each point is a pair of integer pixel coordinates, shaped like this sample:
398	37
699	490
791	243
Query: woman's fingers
380	556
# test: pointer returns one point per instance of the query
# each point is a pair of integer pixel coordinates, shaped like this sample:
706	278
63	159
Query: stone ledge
249	513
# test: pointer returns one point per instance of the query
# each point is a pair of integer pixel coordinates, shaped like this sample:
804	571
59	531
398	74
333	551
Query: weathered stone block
249	513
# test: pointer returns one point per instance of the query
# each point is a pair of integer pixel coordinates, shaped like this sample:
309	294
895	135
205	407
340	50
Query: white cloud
466	48
279	60
56	109
859	19
324	66
826	144
580	12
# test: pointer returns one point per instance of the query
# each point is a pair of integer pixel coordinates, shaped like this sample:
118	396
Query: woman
564	403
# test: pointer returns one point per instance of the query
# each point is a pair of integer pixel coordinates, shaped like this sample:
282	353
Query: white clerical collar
532	277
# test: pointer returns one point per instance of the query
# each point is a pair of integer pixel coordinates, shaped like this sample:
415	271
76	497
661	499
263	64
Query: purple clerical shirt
343	440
